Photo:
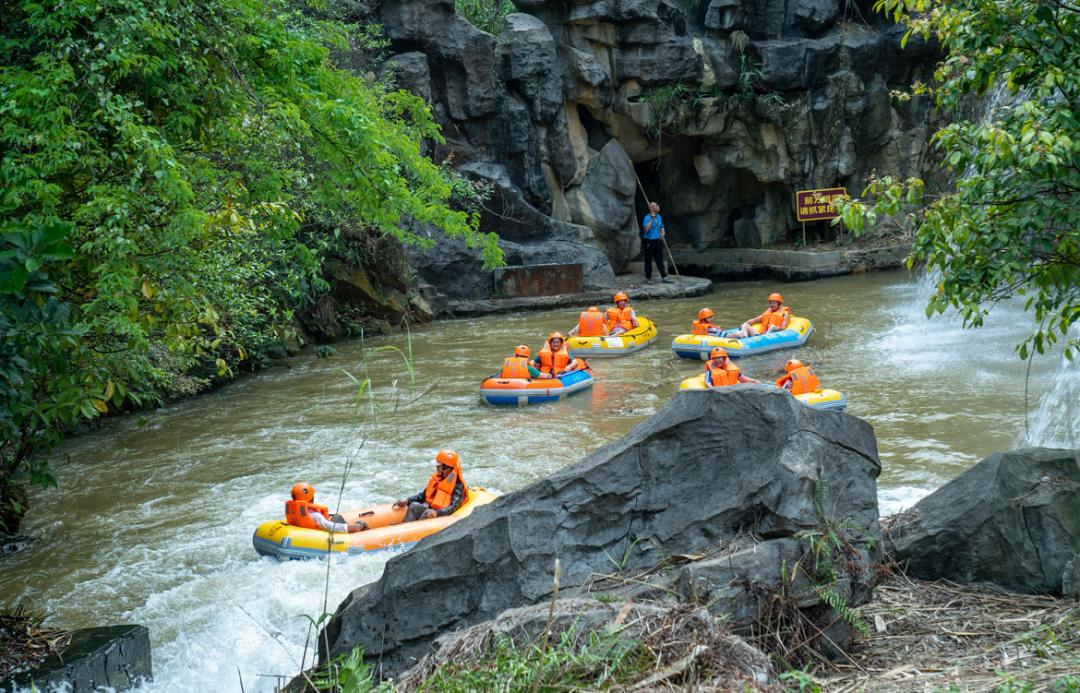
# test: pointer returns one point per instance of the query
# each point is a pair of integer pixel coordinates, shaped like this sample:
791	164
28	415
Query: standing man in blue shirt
652	243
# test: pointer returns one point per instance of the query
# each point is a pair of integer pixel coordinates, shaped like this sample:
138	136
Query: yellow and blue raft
818	399
697	347
618	345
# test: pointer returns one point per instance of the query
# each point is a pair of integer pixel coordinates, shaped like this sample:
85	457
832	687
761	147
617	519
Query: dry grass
24	643
660	647
933	636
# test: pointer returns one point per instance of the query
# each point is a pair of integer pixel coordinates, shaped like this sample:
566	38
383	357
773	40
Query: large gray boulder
605	203
527	60
1012	520
709	469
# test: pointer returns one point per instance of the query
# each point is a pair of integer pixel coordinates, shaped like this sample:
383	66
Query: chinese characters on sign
815	205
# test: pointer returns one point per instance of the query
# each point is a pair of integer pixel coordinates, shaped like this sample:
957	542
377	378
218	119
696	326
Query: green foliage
800	681
487	15
749	76
599	660
348	673
833	554
172	176
1011	225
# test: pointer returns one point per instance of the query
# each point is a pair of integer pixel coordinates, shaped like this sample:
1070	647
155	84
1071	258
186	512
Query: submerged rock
1012	520
738	466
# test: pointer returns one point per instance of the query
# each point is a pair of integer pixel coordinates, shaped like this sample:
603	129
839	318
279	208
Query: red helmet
553	335
718	353
776	297
449	458
521	350
621	296
303	492
792	365
705	313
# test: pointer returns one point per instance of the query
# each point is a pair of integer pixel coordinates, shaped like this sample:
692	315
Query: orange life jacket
770	317
720	376
440	491
515	367
803	380
701	327
299	513
623	318
591	324
553	362
611	318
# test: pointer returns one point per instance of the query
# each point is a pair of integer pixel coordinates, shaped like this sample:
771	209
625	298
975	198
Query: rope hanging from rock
662	239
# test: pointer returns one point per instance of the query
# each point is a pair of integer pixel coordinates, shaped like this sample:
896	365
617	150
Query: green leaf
13	279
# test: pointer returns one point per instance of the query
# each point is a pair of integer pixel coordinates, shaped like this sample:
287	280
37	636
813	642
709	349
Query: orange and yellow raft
285	541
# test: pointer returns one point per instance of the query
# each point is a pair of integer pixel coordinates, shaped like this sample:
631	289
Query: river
153	516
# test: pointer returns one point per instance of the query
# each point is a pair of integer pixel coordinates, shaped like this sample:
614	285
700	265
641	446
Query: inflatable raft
285	542
818	399
503	391
697	347
619	345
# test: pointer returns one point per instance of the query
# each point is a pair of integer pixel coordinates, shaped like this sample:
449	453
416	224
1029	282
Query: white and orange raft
387	531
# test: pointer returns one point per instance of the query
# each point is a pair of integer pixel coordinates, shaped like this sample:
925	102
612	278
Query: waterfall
1056	422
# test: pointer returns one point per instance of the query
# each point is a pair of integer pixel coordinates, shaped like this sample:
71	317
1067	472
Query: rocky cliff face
723	108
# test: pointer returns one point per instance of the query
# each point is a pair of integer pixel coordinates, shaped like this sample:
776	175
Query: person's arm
646	223
745	379
533	372
456	500
787	319
663	231
633	317
415	498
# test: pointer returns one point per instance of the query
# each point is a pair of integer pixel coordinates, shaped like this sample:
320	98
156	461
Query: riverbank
923	636
634	284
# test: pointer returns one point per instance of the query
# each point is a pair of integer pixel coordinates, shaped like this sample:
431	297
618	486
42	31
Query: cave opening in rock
649	179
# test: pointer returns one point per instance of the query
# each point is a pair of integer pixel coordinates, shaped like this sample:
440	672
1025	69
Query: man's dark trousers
652	250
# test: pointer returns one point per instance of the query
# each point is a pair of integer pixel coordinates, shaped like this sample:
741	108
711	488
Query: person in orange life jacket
799	378
444	494
301	511
704	324
621	318
721	371
554	358
518	365
776	317
591	323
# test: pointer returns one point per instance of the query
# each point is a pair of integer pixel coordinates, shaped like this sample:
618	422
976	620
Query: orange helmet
621	296
449	458
553	335
592	309
792	365
705	313
776	297
521	350
718	353
303	492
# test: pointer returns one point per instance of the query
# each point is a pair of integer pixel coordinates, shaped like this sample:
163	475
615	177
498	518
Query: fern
840	605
